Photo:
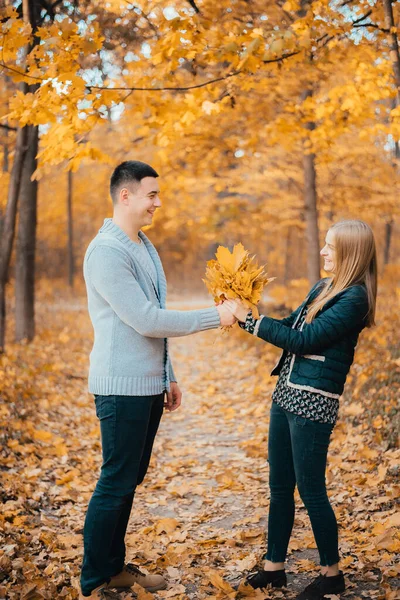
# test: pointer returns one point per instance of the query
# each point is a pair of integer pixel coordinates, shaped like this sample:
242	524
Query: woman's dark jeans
297	454
128	427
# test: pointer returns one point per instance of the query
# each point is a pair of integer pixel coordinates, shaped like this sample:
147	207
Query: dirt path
200	515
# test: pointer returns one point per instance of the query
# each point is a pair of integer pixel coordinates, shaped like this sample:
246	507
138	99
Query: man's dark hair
130	171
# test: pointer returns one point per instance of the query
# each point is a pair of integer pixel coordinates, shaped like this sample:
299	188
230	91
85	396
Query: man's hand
237	308
226	315
173	397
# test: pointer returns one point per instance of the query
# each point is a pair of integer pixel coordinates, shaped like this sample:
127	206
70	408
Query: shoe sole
277	585
154	588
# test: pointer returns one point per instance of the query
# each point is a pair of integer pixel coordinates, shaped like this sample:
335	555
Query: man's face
143	200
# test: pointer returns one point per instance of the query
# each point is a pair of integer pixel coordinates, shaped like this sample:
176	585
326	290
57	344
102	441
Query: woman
318	341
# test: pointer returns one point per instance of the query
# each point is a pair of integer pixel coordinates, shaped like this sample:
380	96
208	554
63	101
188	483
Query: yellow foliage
236	275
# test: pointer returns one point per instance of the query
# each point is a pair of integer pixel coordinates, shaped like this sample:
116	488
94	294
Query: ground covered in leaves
200	515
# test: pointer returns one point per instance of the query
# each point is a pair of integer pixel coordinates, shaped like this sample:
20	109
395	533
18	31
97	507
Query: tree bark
288	256
26	244
6	151
394	43
311	216
310	208
26	234
395	58
388	240
8	230
70	231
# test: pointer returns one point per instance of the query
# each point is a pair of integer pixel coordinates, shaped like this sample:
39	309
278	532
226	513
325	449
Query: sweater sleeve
334	323
112	276
172	376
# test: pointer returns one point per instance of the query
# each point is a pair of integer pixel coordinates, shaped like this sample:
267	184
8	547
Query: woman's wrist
249	324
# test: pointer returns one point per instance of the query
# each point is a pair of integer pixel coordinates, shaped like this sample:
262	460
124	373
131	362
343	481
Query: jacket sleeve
334	323
288	321
112	276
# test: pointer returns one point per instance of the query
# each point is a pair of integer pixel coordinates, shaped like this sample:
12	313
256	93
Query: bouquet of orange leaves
236	275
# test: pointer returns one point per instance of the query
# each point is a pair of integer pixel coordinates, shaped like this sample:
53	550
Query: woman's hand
237	308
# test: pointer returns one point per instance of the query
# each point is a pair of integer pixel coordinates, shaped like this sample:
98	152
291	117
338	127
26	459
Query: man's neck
131	229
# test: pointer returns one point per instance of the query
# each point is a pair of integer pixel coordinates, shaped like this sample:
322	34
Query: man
130	370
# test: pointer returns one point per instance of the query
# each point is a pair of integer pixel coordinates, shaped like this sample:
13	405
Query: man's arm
110	273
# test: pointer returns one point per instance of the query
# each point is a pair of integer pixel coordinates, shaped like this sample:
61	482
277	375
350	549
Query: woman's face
328	253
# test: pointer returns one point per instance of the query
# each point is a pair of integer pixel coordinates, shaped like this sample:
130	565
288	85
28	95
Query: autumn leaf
166	526
141	593
221	585
236	275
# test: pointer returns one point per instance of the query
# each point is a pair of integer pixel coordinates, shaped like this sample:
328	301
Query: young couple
132	379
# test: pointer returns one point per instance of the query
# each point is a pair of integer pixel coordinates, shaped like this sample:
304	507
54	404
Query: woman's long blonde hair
355	263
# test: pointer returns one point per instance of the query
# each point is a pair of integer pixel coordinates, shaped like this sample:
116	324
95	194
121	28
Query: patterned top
311	405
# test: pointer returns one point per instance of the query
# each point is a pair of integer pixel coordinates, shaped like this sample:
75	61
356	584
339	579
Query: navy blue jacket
323	350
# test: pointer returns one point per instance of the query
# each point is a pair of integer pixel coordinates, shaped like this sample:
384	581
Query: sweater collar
110	227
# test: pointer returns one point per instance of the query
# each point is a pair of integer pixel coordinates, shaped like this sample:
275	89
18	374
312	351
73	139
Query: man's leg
117	556
124	422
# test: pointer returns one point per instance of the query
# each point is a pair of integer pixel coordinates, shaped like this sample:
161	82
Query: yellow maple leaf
236	275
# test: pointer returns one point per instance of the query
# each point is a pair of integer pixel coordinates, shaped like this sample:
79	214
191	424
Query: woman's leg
310	442
282	483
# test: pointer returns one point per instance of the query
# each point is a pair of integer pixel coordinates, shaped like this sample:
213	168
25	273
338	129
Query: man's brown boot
101	593
131	575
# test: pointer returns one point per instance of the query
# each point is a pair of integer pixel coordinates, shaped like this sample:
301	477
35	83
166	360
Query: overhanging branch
4	126
156	89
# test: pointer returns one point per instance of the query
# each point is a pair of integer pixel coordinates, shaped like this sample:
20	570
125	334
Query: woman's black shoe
262	579
321	586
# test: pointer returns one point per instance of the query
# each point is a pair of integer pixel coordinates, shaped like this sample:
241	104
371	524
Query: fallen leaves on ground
201	513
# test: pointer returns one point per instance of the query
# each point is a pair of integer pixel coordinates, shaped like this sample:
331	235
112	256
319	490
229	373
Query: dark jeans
128	427
297	453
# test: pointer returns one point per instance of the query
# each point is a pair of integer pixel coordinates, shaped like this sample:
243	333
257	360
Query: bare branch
193	5
4	126
363	17
373	25
158	89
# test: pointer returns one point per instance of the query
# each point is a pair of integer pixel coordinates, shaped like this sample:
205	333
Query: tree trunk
393	42
8	232
26	234
310	208
288	256
26	244
6	142
70	228
388	240
311	216
395	58
5	151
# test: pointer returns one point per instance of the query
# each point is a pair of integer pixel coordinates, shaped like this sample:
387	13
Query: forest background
267	122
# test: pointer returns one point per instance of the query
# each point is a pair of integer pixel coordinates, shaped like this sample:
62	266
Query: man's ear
124	196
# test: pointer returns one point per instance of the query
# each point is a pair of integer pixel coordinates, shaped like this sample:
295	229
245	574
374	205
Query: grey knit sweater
131	325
